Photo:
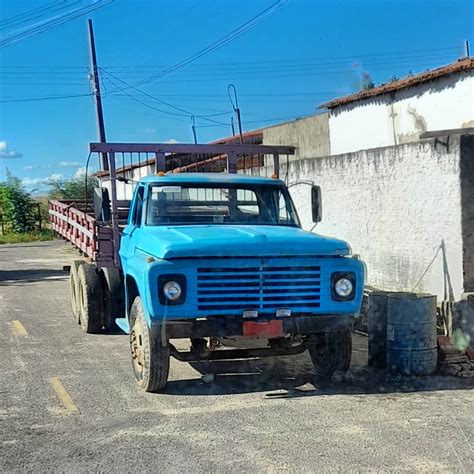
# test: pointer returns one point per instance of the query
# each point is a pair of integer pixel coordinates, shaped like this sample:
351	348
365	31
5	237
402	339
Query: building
391	114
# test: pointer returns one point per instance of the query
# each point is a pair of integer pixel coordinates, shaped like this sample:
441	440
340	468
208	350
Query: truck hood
238	241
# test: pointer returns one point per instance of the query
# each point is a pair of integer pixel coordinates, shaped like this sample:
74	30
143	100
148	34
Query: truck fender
136	284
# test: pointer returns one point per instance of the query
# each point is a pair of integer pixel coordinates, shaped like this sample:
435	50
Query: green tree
18	208
72	188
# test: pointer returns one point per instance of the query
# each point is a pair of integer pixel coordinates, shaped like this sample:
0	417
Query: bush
72	188
27	237
18	208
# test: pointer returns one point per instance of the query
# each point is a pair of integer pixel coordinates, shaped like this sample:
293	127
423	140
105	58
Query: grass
27	237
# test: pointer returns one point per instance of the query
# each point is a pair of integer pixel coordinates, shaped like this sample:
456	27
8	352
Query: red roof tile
461	65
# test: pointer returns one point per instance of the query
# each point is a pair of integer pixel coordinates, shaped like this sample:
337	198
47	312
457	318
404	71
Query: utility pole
193	126
98	99
235	106
466	48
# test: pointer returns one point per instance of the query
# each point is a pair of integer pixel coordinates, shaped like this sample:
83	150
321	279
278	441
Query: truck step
122	323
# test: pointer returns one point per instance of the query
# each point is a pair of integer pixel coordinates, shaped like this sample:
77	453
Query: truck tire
90	298
331	352
150	354
74	289
113	296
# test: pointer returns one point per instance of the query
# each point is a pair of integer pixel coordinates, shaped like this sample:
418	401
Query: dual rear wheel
96	296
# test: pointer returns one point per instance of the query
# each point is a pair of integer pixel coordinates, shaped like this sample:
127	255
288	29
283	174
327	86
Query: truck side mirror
316	204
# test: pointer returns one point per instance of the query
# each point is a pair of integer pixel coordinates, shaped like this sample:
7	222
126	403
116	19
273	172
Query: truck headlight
343	285
172	289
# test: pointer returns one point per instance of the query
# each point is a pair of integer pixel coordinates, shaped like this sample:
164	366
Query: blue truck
211	256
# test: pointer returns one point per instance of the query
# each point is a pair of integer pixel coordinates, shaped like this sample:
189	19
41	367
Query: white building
403	111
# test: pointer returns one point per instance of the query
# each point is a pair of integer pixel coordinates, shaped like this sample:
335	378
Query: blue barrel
411	333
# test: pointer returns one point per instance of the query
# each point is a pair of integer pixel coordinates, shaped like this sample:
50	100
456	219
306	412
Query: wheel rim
136	345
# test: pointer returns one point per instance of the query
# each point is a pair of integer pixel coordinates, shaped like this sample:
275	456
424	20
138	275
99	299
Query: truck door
135	221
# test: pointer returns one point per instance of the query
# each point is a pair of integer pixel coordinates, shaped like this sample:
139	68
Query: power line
21	17
146	94
234	34
72	76
35	99
51	23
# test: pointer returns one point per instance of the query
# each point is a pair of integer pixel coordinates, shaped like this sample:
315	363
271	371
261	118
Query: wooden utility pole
98	98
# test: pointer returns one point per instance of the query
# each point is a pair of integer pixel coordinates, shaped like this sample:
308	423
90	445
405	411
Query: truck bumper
218	327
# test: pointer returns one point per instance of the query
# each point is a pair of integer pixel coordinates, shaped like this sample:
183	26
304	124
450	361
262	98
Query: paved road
69	403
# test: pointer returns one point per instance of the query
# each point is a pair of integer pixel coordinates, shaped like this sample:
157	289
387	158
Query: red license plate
263	329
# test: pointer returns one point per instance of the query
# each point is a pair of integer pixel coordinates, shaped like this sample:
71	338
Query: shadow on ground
18	277
293	377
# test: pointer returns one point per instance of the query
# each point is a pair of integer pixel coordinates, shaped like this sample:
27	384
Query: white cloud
171	141
6	153
80	172
68	164
28	168
29	182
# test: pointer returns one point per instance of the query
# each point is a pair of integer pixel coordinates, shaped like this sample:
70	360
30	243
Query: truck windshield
229	204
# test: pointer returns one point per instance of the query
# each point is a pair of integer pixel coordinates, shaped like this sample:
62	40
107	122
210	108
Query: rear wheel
331	352
74	289
150	354
113	295
90	298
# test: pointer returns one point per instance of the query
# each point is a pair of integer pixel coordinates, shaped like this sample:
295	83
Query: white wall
393	205
391	119
125	190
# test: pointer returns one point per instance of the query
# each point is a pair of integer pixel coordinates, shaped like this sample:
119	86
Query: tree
72	188
18	208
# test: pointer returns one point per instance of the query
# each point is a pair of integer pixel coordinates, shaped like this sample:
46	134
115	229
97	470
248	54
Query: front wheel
150	353
331	352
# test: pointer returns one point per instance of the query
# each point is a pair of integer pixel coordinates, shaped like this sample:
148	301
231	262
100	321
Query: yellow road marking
19	328
63	396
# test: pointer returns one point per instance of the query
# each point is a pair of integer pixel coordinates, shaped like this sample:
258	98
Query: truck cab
213	256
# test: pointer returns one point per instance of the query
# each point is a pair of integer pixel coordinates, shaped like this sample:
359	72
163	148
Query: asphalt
68	401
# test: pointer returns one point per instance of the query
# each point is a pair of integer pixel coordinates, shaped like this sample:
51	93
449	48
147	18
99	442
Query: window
208	204
138	208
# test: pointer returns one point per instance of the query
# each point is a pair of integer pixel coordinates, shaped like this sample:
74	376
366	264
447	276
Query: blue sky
303	54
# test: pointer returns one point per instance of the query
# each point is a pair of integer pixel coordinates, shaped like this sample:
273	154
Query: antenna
235	106
466	48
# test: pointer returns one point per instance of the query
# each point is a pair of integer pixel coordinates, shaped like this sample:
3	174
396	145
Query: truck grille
260	288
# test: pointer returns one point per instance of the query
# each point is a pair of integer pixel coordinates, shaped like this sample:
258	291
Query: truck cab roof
211	178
